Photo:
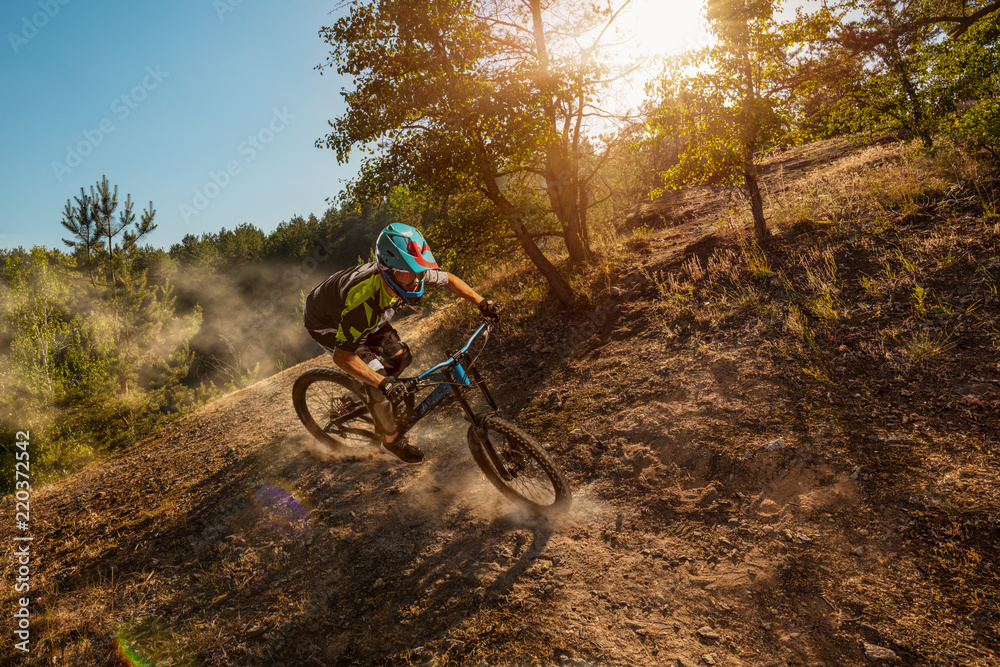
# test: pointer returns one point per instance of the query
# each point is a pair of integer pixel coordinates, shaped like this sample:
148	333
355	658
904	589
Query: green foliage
731	103
35	317
334	240
242	245
872	66
969	68
293	239
979	127
887	67
465	98
887	87
194	251
428	92
93	355
469	237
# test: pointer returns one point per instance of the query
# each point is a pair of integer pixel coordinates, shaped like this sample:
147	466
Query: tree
93	224
964	74
958	15
193	250
292	240
62	370
103	204
459	96
78	219
888	66
34	314
731	102
56	366
243	245
140	312
886	46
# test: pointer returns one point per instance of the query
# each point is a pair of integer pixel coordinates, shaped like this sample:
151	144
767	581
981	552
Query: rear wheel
332	407
518	466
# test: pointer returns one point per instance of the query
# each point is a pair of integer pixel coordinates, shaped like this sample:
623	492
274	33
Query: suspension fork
481	383
477	420
461	388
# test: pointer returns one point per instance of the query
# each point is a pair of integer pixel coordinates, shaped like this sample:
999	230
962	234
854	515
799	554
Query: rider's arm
352	364
458	287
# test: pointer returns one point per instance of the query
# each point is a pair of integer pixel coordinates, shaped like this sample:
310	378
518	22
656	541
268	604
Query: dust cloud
251	320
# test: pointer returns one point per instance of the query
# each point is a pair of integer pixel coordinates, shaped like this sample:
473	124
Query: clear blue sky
161	96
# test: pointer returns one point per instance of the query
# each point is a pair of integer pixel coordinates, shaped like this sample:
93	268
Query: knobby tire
518	466
332	411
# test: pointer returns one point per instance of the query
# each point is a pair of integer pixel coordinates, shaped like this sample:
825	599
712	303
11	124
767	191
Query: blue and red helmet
401	247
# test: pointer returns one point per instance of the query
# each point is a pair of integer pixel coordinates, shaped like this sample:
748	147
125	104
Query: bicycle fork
478	420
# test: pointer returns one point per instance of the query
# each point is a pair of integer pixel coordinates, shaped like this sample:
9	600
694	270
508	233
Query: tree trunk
576	236
559	285
751	128
44	345
900	66
564	198
756	205
561	171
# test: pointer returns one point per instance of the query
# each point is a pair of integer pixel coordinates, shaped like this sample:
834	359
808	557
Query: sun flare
648	30
664	27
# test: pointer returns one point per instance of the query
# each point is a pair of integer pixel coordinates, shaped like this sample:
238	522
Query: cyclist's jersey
353	302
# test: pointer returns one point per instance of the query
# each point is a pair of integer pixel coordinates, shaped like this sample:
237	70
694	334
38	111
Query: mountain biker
348	315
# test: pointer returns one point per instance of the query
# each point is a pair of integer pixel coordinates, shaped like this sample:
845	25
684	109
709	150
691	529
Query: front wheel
332	407
518	466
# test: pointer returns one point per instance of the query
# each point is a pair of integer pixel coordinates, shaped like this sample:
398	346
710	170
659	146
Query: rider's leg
373	351
395	353
381	409
386	425
399	360
369	356
396	356
385	422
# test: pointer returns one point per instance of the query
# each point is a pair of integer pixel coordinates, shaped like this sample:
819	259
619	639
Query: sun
645	32
664	27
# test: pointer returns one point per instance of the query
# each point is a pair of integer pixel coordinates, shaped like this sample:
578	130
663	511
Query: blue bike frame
456	374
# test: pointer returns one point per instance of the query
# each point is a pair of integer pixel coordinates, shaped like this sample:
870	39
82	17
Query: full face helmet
401	247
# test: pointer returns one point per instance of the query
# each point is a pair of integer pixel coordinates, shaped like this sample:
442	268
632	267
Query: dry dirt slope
727	512
187	529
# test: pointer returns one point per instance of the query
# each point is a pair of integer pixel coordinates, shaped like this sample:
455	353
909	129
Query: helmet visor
405	284
407	280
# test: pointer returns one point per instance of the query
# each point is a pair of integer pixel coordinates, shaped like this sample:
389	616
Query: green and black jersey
355	302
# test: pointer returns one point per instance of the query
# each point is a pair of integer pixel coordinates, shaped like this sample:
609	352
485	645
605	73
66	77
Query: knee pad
399	360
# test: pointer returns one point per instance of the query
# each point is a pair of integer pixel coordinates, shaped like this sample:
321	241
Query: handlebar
490	310
420	380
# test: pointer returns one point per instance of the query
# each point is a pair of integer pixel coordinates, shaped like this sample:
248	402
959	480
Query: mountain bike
332	406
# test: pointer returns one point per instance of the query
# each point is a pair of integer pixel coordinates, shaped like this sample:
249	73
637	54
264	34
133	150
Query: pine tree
77	219
110	240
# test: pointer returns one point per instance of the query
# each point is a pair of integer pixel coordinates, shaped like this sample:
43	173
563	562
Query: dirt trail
716	521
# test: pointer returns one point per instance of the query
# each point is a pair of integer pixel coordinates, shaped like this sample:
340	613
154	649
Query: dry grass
866	335
854	209
867	184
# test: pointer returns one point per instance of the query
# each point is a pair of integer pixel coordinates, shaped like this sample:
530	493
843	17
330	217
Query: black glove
393	389
490	310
